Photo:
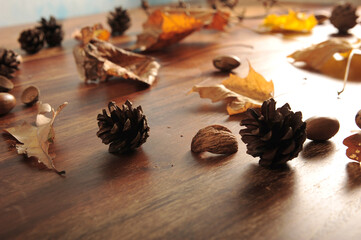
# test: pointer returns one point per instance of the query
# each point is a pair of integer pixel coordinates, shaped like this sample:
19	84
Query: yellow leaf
317	55
35	140
333	57
293	21
239	93
253	86
330	57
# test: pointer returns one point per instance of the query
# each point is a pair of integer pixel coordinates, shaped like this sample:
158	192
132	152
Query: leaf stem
347	71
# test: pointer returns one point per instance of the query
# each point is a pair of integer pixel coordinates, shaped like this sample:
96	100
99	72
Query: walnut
214	139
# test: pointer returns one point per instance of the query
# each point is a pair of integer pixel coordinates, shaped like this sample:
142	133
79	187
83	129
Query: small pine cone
52	30
125	129
275	135
119	21
9	62
343	17
31	40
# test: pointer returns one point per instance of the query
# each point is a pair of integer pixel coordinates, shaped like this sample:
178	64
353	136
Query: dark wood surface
162	190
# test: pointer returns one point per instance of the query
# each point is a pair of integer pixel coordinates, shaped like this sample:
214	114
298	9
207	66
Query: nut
214	139
7	102
358	119
5	84
30	95
226	63
321	128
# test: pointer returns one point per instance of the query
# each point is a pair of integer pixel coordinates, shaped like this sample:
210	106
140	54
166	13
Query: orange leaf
88	33
219	21
169	26
353	143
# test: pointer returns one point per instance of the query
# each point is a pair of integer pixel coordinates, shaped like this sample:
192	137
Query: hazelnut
7	102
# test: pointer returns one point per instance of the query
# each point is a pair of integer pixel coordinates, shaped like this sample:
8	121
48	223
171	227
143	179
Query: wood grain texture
162	190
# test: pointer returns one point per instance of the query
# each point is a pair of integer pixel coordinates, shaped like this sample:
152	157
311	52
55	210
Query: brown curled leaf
214	139
100	60
87	33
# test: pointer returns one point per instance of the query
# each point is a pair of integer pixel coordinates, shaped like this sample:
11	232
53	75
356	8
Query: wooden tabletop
162	190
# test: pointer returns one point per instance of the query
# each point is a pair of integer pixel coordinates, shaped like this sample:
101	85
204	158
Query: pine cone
119	21
276	136
31	40
125	129
343	17
52	30
9	62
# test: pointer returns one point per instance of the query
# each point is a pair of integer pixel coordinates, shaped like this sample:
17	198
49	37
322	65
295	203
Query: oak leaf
335	57
291	22
239	93
35	140
168	26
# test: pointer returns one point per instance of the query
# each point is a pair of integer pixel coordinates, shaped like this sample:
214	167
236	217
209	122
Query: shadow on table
315	150
114	88
265	189
122	165
353	170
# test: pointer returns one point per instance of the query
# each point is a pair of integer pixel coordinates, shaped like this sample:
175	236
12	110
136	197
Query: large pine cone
31	40
276	136
9	62
343	17
119	21
125	129
52	30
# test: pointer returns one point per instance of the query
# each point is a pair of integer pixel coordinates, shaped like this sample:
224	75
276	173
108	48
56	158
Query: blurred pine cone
52	30
31	40
125	129
119	21
9	62
275	135
343	17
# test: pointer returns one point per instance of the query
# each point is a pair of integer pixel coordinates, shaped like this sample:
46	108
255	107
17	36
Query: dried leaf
335	57
87	33
168	26
35	140
353	143
99	60
292	22
239	93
